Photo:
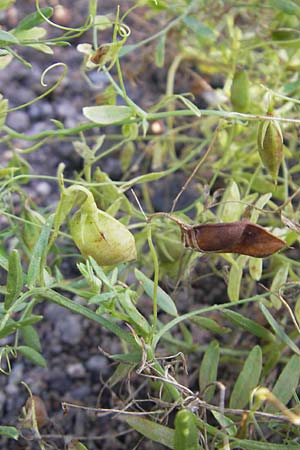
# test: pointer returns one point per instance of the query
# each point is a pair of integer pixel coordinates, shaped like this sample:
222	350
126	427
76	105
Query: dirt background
77	370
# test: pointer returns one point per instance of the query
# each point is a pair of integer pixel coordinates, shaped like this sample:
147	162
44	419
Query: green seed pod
99	235
270	146
186	433
240	91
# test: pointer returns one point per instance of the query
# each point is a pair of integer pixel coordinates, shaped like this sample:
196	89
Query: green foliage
227	317
247	380
208	370
186	433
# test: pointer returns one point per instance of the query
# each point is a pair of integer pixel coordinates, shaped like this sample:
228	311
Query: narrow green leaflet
14	279
129	358
230	209
7	38
152	430
190	105
247	380
121	373
35	269
3	262
11	325
100	273
153	176
34	34
279	330
31	337
210	325
33	356
261	202
42	48
279	279
297	309
201	30
286	6
249	325
10	432
163	299
225	422
160	51
255	268
235	278
99	298
34	19
136	317
287	382
208	370
255	445
3	112
186	432
107	114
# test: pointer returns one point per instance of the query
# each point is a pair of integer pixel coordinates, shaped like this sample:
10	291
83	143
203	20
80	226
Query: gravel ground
77	370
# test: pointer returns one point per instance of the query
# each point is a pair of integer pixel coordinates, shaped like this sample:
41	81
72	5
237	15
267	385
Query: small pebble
76	370
97	363
18	120
43	188
70	329
40	110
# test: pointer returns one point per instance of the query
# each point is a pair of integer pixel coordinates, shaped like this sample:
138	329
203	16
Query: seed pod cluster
270	146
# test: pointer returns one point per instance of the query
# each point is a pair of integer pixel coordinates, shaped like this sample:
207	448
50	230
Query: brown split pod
242	237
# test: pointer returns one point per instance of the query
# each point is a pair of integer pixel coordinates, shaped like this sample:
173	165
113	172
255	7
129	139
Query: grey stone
97	363
18	120
76	370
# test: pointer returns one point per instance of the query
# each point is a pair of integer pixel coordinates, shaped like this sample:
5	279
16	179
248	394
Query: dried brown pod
35	407
242	237
100	54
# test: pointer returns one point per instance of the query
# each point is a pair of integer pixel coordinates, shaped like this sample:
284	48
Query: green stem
85	27
140	112
169	92
55	297
95	31
151	117
156	276
187	316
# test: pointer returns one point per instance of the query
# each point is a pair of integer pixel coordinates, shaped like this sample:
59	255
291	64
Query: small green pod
186	433
99	235
240	91
270	146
